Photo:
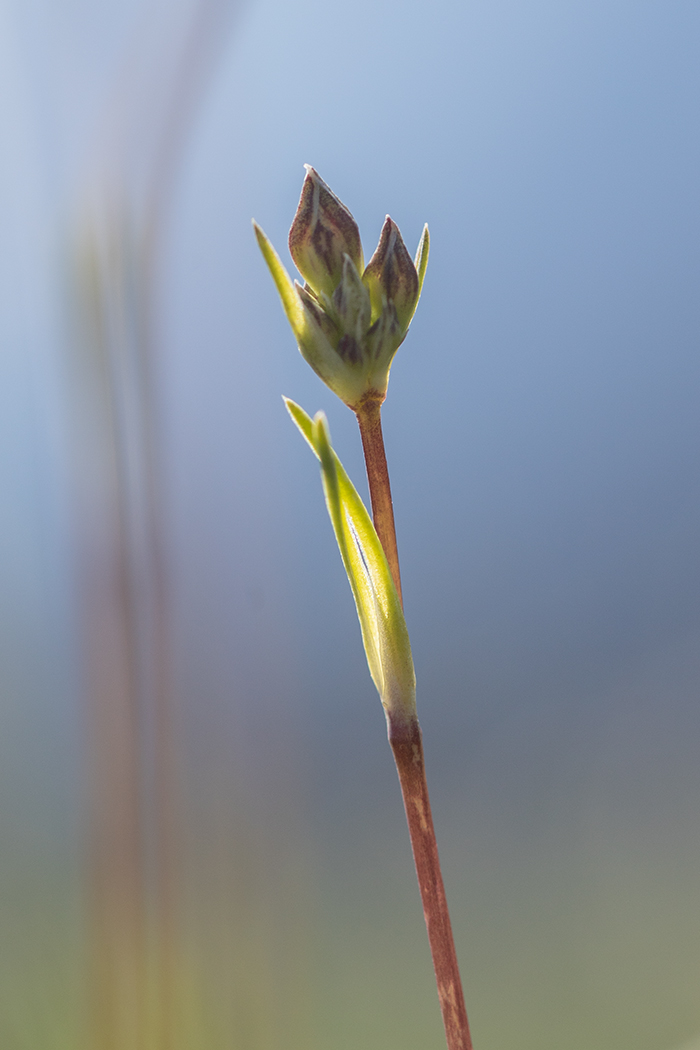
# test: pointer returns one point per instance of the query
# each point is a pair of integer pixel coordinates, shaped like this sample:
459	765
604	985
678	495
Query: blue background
543	437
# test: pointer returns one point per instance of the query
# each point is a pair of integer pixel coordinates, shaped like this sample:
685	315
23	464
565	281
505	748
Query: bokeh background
201	835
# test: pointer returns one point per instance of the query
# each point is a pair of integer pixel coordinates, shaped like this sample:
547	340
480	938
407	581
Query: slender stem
369	419
407	747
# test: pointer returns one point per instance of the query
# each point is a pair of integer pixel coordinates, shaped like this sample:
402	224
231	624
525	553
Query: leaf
384	631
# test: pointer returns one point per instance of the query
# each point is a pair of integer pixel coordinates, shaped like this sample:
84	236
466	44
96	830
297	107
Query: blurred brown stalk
134	847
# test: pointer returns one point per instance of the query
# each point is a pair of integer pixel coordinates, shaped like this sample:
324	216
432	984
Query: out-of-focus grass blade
384	631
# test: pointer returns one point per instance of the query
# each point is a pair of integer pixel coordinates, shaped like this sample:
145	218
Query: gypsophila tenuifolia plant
349	320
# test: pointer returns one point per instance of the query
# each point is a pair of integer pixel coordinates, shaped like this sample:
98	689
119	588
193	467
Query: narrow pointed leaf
384	631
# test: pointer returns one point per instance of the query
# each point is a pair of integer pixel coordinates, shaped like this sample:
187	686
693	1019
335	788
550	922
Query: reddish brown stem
407	745
369	418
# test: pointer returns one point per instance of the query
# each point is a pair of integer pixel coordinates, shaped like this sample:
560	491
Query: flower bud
348	327
353	310
391	277
385	337
318	339
322	233
318	314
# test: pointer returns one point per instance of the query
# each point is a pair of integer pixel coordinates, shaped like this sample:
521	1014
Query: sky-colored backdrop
543	434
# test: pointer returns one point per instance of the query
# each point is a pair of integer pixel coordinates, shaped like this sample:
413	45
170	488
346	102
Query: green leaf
384	631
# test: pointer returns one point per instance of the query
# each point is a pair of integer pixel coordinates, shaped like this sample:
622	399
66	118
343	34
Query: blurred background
201	830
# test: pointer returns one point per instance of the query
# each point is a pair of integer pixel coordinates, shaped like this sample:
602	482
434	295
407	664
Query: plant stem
369	419
406	743
407	746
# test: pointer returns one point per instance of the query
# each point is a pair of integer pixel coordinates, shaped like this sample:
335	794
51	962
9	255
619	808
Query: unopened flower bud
321	344
348	327
323	232
319	315
353	310
391	277
385	337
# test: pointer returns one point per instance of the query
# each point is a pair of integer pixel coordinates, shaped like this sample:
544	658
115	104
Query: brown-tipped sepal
322	233
391	277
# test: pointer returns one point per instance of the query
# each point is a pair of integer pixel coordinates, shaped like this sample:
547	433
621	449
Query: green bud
322	233
385	337
347	327
353	309
317	336
320	316
391	277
